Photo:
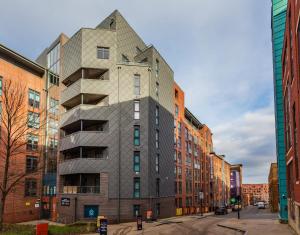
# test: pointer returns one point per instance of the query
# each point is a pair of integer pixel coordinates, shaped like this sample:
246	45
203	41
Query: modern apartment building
23	201
50	58
192	144
220	181
278	28
255	192
116	146
236	180
273	188
290	82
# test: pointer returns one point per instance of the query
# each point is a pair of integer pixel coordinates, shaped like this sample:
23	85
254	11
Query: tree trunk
2	205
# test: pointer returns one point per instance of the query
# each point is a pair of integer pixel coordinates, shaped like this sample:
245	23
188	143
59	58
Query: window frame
28	191
137	138
137	190
136	109
137	161
103	53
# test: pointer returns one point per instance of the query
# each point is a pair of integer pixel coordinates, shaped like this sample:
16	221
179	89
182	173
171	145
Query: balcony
84	139
80	184
85	125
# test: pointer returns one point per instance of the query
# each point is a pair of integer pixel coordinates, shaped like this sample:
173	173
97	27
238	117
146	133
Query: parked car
222	210
255	204
261	205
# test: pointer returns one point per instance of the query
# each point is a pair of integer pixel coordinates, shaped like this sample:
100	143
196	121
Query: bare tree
15	127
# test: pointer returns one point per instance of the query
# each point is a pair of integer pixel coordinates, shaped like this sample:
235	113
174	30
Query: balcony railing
81	189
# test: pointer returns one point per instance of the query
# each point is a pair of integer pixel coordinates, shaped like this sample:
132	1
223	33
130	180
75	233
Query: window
156	68
176	94
136	162
53	126
34	99
137	84
179	142
136	210
157	187
54	106
157	115
53	78
33	120
103	53
1	85
157	139
125	58
179	128
157	89
53	143
53	60
30	187
157	163
136	109
175	156
295	143
136	187
32	142
136	138
31	164
176	110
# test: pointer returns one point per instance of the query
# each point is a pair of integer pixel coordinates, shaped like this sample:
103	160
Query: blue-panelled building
279	8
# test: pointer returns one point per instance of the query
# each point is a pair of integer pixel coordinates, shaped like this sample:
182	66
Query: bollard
42	229
139	222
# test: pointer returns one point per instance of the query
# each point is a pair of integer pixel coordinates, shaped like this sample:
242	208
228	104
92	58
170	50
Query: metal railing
81	189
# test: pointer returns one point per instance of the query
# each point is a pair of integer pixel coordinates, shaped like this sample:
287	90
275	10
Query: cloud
250	140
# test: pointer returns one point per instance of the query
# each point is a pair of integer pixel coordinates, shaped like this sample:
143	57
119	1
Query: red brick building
193	143
252	193
291	86
23	201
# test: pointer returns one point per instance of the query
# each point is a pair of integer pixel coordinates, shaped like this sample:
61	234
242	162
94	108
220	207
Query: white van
261	205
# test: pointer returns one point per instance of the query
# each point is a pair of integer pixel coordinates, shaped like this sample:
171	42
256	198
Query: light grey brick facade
99	117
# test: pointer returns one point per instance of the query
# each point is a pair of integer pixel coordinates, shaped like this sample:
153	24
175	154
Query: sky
220	51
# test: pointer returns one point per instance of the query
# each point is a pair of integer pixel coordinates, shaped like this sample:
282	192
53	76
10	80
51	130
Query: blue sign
91	211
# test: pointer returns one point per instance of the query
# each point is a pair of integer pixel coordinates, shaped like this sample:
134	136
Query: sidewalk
131	228
257	226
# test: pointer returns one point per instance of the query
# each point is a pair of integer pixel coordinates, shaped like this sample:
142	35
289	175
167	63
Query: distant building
236	180
253	193
273	188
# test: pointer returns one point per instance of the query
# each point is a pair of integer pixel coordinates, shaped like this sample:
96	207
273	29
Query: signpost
139	222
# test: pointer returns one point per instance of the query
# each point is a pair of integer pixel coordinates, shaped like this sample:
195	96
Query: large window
157	115
157	163
34	98
31	164
136	187
157	89
32	142
136	109
103	53
136	136
53	59
54	106
137	84
136	162
33	120
53	143
157	139
30	187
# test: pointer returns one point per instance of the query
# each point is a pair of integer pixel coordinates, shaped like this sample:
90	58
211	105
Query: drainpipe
119	149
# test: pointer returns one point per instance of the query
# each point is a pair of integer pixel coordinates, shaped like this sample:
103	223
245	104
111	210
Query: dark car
222	210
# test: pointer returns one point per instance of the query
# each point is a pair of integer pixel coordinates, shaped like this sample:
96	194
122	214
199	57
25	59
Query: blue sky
221	54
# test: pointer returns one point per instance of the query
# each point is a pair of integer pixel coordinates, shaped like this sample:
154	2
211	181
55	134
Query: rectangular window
136	187
156	68
53	126
31	163
33	120
30	187
157	163
157	139
136	210
136	138
157	89
53	143
179	128
54	106
179	142
32	142
136	162
176	110
157	115
137	84
103	53
53	78
136	109
34	99
157	187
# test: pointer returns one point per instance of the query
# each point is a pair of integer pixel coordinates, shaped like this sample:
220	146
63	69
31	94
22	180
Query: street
253	220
